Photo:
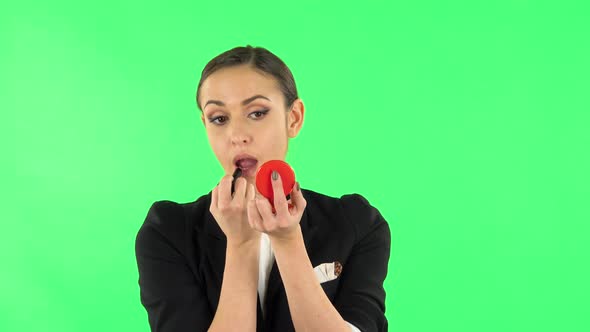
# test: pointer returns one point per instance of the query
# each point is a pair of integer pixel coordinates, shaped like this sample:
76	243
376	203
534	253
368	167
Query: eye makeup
214	119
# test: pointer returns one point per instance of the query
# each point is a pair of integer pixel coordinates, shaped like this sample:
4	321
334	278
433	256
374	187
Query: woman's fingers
280	202
240	189
214	198
250	193
254	217
259	209
224	194
264	208
299	202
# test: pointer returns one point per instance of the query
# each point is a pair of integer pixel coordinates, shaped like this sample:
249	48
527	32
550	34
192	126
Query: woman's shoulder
354	207
350	202
172	221
345	201
166	213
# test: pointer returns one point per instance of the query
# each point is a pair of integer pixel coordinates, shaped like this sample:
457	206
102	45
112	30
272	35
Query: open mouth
247	165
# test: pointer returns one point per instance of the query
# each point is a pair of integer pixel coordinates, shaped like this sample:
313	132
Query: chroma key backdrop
466	123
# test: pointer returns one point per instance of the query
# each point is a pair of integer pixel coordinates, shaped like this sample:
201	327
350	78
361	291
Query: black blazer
180	253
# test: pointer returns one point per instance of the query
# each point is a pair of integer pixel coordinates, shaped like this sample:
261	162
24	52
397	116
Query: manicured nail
275	175
298	188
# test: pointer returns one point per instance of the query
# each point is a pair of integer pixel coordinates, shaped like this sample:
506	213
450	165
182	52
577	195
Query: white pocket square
328	271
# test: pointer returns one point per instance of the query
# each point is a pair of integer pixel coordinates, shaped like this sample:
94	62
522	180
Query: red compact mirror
264	181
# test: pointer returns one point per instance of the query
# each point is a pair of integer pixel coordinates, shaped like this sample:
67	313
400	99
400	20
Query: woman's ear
295	118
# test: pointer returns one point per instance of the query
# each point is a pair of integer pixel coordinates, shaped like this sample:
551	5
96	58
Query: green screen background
466	123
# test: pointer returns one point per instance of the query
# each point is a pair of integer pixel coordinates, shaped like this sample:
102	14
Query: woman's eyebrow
244	103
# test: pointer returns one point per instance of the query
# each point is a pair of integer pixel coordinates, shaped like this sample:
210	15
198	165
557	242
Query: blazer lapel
215	246
308	230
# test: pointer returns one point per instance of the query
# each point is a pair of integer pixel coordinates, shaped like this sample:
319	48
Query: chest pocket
328	275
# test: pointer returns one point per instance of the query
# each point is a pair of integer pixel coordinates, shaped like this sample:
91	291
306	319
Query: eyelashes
261	113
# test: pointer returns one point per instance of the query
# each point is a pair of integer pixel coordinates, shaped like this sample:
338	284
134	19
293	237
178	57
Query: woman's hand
284	224
231	212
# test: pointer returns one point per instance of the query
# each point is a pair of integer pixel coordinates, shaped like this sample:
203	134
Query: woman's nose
240	135
240	140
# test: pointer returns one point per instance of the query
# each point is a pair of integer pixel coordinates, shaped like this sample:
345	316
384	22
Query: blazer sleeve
361	297
174	300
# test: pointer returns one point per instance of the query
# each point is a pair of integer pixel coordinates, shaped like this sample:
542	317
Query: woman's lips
249	171
246	162
248	167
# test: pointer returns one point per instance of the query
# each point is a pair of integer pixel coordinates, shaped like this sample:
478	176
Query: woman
226	262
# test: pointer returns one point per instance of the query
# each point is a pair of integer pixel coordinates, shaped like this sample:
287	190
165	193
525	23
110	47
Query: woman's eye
220	120
214	120
259	114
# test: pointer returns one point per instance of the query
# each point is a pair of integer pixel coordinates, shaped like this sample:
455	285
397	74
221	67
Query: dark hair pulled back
260	59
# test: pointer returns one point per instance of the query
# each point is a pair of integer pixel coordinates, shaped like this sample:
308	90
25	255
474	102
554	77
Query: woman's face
244	113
